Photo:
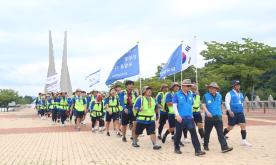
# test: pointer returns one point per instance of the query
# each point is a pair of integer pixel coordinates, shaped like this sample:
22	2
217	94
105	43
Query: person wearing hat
197	112
63	108
169	109
234	105
183	109
38	103
96	113
127	99
212	106
112	104
160	98
146	108
79	105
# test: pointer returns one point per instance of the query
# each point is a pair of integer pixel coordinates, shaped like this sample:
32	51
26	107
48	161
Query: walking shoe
246	143
93	130
206	148
226	137
119	134
135	145
124	139
131	138
164	138
199	153
156	147
159	137
226	149
177	151
63	125
108	134
181	144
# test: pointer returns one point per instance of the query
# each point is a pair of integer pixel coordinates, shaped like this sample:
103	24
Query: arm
204	108
227	104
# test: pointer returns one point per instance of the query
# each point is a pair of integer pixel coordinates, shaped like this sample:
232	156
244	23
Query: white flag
93	78
53	87
189	55
52	79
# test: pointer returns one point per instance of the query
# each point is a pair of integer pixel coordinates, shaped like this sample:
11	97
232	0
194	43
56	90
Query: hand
126	110
231	113
141	109
178	119
110	112
208	114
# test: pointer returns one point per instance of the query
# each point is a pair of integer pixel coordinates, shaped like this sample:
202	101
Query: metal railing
264	105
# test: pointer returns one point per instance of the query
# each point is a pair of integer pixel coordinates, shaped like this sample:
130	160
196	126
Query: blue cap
235	82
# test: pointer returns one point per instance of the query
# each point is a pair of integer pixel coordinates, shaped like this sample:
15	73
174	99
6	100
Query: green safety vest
79	104
162	100
97	110
133	96
168	108
196	106
114	104
63	104
148	112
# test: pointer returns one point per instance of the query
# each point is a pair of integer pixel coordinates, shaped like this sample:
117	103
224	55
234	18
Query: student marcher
38	103
169	109
63	107
79	105
183	109
96	113
112	111
160	98
146	108
197	112
212	106
129	96
234	106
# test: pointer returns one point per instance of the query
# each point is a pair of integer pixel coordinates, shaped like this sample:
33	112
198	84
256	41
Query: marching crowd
179	105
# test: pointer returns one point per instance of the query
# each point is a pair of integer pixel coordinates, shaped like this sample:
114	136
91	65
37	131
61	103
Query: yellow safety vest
148	112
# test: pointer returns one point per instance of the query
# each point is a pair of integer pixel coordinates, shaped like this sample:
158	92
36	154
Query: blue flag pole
181	66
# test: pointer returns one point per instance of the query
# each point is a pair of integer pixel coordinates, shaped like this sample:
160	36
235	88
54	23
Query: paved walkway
26	139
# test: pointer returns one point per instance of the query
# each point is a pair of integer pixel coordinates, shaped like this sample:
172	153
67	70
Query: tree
7	96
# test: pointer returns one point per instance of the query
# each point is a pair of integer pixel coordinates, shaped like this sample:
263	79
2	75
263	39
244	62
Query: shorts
127	118
79	114
149	127
163	118
237	119
171	120
114	116
197	117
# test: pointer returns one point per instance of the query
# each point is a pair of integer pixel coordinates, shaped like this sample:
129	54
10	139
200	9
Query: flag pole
174	77
181	65
140	81
195	44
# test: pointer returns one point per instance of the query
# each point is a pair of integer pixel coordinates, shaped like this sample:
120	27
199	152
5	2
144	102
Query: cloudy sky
99	32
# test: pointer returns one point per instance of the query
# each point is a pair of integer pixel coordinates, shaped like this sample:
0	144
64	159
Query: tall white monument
65	82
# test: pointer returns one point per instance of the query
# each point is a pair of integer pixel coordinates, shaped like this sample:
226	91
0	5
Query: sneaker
246	143
108	134
119	134
226	149
181	144
206	148
186	140
135	145
159	137
131	138
93	130
63	125
164	139
177	151
199	153
156	147
124	139
226	137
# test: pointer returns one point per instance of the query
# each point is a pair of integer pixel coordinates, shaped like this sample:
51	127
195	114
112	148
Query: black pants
95	119
63	116
54	115
190	125
209	124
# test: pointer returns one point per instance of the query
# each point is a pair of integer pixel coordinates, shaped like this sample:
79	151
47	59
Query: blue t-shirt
184	104
137	106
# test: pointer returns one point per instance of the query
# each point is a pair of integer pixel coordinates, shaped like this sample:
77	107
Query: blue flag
174	63
126	66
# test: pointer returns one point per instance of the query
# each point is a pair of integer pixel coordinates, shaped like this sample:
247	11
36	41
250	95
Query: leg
177	135
219	128
208	128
